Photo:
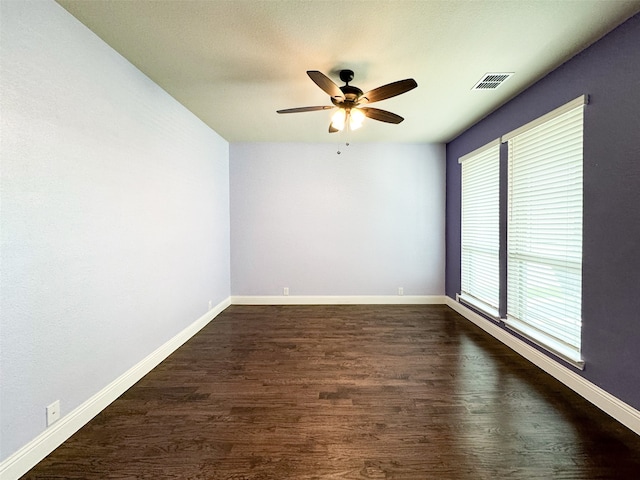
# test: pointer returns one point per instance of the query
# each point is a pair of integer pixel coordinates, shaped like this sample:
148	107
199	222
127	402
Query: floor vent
491	81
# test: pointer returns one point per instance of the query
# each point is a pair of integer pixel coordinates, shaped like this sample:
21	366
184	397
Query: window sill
479	306
546	342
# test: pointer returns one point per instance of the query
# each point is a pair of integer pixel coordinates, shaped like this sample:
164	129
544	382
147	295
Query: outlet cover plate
53	413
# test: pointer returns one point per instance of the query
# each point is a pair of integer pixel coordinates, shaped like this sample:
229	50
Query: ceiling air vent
491	81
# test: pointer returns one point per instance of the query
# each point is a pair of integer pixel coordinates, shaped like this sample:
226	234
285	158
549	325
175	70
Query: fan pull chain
346	145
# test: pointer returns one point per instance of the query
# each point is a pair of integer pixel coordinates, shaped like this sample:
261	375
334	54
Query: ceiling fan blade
305	109
325	83
381	115
388	91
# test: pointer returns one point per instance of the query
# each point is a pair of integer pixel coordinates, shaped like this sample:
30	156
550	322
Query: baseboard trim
338	300
29	455
621	411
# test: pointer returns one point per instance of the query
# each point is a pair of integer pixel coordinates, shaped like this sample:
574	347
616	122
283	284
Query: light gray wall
115	217
361	223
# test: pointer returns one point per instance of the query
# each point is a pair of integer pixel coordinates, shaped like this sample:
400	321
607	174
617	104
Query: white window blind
544	233
480	269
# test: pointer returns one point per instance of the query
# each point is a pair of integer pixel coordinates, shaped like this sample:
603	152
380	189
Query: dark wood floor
346	392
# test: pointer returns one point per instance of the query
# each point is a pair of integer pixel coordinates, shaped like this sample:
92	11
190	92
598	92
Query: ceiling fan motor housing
351	93
351	96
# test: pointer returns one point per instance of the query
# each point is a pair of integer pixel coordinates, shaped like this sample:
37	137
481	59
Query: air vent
491	81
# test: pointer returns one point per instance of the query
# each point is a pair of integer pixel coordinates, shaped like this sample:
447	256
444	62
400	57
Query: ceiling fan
350	100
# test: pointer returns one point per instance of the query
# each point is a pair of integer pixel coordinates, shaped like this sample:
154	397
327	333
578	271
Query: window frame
479	265
544	232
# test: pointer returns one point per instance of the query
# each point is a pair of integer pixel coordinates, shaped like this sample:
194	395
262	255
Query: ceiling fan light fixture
339	119
356	117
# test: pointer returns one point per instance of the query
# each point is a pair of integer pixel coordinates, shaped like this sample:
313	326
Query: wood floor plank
346	392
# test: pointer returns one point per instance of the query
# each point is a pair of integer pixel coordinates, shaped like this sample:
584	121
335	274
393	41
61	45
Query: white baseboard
624	413
29	455
338	300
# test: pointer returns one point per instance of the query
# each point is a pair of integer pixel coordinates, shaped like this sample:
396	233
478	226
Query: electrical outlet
53	413
210	304
285	291
400	291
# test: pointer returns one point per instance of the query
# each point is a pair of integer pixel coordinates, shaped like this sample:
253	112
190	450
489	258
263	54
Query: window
480	262
544	230
543	290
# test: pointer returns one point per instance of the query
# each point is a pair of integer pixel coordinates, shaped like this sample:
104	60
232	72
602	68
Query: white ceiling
233	63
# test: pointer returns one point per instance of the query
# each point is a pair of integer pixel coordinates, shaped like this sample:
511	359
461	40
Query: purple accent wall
609	72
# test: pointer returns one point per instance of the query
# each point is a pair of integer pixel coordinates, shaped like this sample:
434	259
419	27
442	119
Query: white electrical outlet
400	291
53	413
210	304
285	291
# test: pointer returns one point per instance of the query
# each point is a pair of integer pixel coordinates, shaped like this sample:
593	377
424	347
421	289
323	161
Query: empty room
319	239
